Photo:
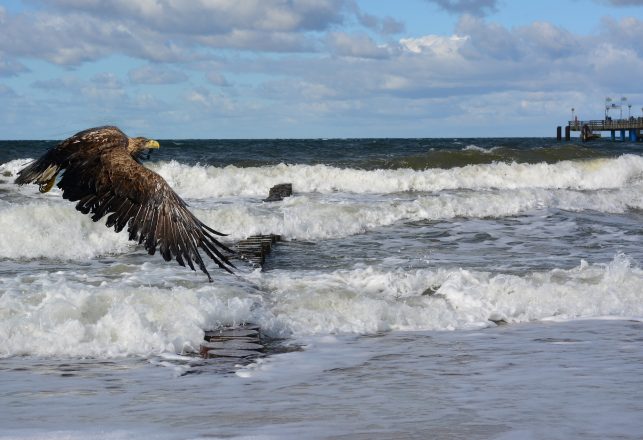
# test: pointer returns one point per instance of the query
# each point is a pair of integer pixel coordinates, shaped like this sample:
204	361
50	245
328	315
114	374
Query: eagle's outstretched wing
114	184
88	143
106	180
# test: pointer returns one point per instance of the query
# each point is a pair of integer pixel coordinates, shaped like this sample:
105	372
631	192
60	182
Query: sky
187	69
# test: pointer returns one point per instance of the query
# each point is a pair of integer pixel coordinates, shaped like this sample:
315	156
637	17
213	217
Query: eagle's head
138	145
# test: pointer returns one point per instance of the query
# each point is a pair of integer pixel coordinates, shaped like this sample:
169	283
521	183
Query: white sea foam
51	314
368	300
52	228
197	181
11	168
208	181
473	147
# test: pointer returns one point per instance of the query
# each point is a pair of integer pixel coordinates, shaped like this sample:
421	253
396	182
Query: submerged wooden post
237	342
568	135
255	249
559	136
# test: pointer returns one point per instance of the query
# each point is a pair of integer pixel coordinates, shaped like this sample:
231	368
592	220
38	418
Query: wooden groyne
228	346
256	248
237	342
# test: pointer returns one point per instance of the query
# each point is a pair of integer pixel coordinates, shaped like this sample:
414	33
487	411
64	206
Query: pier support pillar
622	135
633	135
568	133
559	133
613	135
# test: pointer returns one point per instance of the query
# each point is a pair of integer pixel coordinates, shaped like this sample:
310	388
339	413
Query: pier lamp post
623	100
629	111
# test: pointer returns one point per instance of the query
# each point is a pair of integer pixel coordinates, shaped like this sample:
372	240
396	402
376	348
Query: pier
620	129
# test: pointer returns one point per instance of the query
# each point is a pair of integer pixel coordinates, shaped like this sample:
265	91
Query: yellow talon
45	187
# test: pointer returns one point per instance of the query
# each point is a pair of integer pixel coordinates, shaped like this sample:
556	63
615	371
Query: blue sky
314	68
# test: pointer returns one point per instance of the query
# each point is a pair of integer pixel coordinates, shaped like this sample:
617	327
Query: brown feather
102	173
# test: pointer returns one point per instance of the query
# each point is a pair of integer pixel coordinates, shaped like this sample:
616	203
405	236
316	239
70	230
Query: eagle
102	171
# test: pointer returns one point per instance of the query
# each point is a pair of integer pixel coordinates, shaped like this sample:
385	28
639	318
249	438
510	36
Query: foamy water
431	260
209	181
53	314
350	201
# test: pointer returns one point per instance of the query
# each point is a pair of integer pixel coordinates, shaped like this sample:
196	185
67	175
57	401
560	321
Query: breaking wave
208	181
52	314
54	229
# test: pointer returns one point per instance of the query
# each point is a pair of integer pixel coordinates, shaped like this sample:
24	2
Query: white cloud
217	79
384	26
9	67
6	91
214	17
70	32
328	57
435	44
627	33
156	74
473	7
359	46
623	2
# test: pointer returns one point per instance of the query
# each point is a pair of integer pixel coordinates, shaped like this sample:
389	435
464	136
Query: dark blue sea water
434	288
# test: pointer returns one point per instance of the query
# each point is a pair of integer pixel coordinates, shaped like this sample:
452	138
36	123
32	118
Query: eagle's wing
112	183
44	170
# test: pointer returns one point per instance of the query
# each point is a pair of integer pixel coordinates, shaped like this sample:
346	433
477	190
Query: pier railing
608	124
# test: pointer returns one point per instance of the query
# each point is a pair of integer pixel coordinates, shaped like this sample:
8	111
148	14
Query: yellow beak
152	144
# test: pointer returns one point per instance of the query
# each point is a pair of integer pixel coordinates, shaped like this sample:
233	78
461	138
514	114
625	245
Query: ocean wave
474	147
204	182
52	228
208	181
52	314
368	300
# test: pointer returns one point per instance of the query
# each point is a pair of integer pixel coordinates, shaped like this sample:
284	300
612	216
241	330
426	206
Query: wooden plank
241	354
238	333
232	344
256	247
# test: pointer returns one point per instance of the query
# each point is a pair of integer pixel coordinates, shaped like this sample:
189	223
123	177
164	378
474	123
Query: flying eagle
102	171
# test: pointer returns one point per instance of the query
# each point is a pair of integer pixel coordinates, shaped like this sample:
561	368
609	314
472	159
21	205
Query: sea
422	289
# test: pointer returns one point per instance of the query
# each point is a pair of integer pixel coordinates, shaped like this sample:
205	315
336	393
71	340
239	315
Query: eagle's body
103	174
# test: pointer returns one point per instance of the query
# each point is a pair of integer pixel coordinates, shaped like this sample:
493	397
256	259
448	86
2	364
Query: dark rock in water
430	291
278	192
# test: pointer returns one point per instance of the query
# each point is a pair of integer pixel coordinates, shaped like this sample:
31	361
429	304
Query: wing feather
115	185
